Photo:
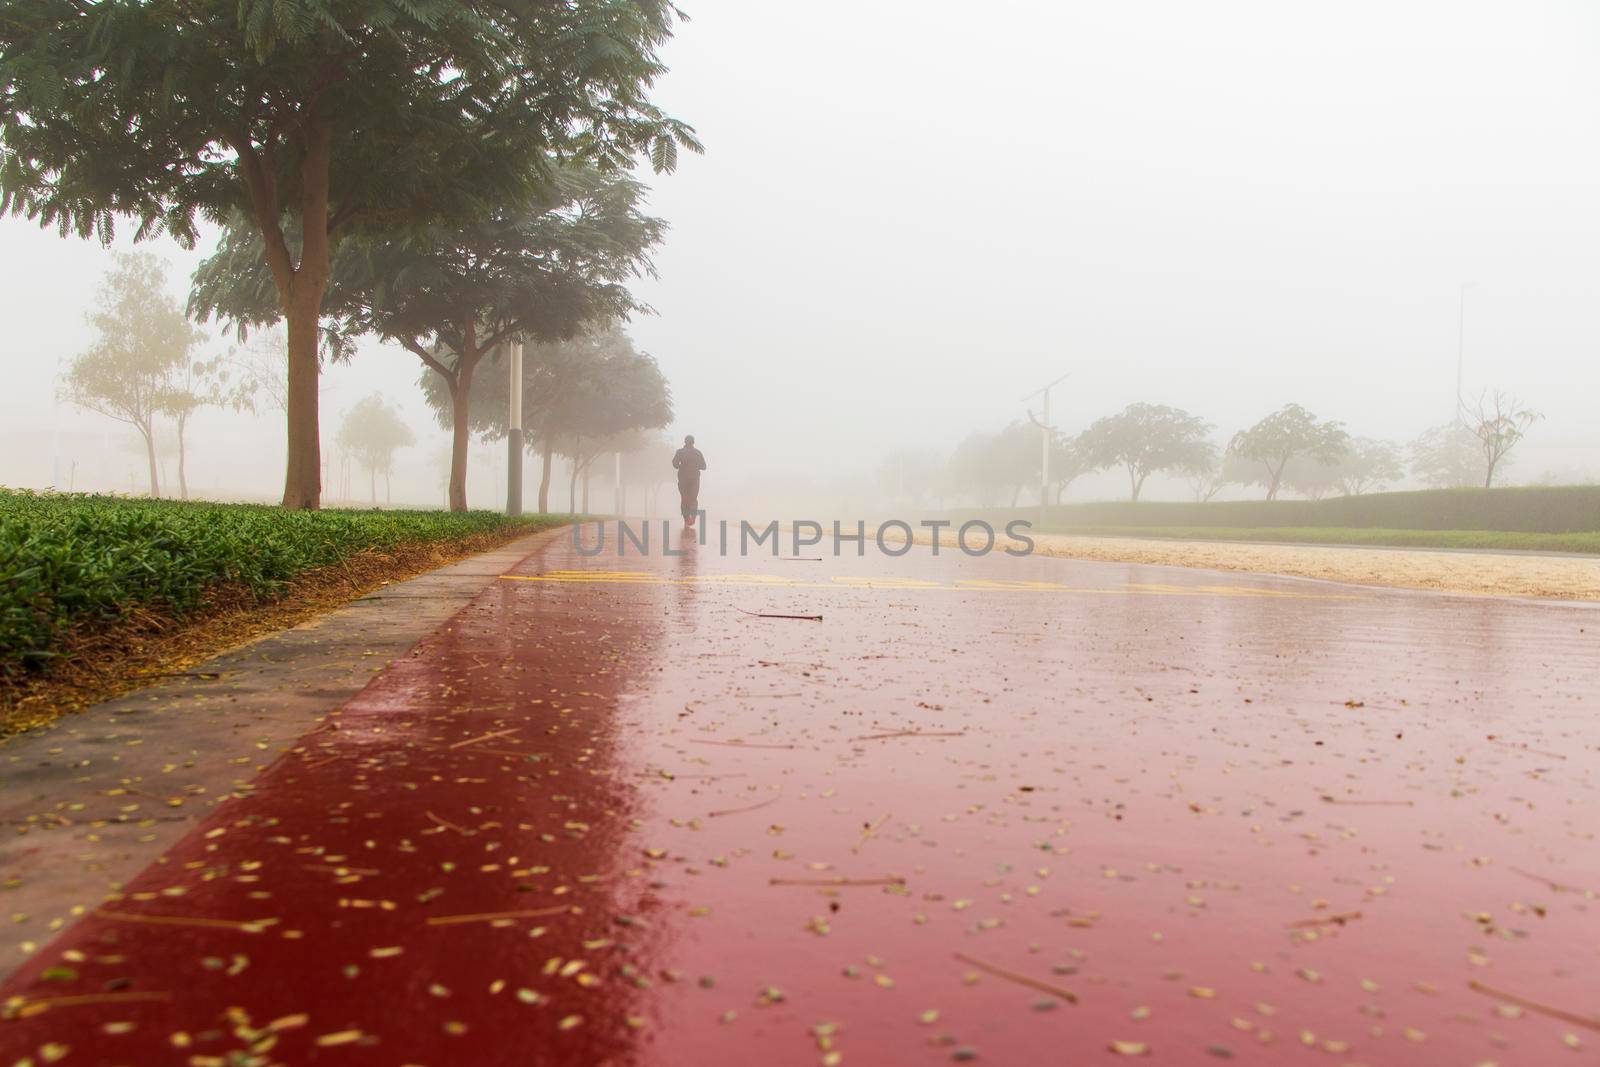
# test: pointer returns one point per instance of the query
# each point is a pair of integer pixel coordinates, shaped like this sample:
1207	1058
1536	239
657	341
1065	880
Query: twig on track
737	744
740	811
838	882
1021	979
485	737
249	926
912	733
775	615
1329	920
1533	1005
448	825
491	916
40	1004
1520	747
1555	887
1370	803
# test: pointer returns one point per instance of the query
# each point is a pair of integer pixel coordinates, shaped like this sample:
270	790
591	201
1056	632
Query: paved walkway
1017	811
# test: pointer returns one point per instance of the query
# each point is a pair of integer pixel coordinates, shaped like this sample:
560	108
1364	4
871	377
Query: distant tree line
1290	448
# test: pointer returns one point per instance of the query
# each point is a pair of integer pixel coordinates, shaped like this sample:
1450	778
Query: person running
689	463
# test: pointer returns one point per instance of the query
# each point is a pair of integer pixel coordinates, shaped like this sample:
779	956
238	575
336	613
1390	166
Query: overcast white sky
913	213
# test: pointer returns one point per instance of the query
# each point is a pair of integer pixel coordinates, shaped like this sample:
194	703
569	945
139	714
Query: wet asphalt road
1015	811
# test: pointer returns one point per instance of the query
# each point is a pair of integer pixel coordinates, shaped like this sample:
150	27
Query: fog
911	215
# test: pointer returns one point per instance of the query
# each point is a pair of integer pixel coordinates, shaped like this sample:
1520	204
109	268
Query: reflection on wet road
1017	810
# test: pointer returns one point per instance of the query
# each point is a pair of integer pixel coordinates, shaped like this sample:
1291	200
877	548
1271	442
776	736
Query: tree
373	432
987	464
142	339
1014	458
1206	481
193	385
1069	461
1445	457
1145	438
1288	432
576	395
1369	464
262	366
313	120
1499	422
971	470
618	390
648	464
452	293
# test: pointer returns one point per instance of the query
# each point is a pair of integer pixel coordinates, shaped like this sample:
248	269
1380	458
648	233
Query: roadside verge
99	795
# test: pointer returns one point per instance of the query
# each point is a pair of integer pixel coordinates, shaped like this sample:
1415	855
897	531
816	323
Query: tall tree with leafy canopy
452	293
1146	438
316	119
1288	432
142	342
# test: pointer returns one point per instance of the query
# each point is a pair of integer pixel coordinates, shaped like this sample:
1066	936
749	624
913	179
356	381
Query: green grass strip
72	561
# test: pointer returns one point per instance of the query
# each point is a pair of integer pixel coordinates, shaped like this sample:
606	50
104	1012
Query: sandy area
1493	573
1501	574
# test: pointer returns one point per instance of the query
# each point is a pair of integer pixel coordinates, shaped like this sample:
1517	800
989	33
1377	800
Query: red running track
1010	810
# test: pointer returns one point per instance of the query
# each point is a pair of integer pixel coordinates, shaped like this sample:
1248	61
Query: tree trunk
1016	494
460	435
150	453
1133	484
544	480
586	490
572	489
302	481
300	286
1275	477
372	483
183	477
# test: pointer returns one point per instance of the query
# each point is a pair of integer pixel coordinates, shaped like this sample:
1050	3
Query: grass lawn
1344	535
73	566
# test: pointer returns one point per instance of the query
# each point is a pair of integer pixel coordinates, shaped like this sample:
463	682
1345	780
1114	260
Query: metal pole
1461	345
514	434
1046	431
1044	460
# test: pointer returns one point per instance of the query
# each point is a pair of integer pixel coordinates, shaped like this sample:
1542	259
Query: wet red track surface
1013	810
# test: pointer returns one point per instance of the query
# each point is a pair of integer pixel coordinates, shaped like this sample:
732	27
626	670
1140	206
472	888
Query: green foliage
317	120
985	465
1289	432
595	385
77	563
1145	438
162	110
1446	457
373	432
139	362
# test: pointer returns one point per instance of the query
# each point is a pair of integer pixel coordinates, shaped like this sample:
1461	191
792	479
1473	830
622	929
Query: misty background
910	216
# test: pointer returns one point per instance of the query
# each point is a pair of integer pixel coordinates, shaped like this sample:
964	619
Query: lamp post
1461	344
514	434
1047	431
